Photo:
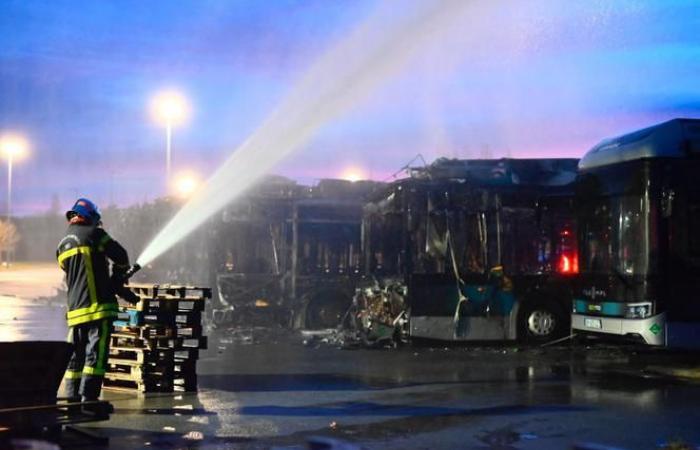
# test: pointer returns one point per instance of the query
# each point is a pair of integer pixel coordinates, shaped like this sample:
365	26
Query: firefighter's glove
126	294
119	275
118	281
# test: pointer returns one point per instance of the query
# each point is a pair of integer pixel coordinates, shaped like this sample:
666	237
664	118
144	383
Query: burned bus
288	254
638	199
480	249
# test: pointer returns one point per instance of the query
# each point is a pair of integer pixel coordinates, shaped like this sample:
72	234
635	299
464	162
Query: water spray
351	70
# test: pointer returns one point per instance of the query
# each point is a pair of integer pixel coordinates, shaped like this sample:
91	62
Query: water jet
346	74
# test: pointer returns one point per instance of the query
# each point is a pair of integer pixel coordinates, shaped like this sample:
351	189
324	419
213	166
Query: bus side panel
438	313
465	329
682	218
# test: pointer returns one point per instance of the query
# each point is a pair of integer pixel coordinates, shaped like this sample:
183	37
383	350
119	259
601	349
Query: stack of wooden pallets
155	344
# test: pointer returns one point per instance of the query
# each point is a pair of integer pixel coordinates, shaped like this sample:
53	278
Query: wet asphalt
261	388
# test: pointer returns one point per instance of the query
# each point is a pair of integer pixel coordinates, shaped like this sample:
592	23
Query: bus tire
541	321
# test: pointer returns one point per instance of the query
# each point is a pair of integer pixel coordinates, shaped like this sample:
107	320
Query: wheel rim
541	322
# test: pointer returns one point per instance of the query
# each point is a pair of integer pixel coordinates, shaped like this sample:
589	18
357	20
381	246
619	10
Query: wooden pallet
158	367
152	331
189	319
135	318
167	291
192	331
141	355
196	342
154	305
186	354
139	373
185	366
137	386
185	384
175	343
128	340
156	343
158	331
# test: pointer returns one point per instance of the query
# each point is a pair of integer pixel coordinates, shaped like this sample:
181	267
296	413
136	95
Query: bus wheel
540	322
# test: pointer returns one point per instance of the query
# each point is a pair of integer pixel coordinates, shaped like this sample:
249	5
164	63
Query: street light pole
169	108
12	146
9	186
168	144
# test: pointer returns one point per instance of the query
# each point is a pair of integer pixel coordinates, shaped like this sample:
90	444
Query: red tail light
568	263
564	264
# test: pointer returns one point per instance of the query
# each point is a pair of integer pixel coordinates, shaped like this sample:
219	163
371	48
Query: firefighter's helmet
84	208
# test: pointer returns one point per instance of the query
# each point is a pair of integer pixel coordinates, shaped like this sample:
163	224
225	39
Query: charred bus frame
289	254
484	247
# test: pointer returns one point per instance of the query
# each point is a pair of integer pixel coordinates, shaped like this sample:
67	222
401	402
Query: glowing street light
13	147
169	108
353	174
186	184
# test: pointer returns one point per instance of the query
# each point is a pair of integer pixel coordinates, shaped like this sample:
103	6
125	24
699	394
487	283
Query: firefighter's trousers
88	364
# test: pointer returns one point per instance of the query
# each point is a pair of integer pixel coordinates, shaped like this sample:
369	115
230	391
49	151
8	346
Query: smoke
347	73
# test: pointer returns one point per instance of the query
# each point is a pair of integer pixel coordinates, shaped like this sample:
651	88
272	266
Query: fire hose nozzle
132	270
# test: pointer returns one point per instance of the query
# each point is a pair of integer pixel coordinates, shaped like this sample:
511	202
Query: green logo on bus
656	329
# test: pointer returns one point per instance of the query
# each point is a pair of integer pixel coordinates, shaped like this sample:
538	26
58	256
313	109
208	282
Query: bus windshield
616	236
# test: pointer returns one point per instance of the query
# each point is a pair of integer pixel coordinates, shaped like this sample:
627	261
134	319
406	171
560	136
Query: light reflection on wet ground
276	392
30	281
280	393
25	320
27	311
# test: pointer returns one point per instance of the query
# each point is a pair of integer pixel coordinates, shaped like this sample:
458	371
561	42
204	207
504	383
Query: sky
537	78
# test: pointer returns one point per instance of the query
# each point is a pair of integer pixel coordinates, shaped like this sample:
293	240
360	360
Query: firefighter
92	305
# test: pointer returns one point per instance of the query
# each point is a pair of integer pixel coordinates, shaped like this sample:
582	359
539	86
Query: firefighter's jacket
83	254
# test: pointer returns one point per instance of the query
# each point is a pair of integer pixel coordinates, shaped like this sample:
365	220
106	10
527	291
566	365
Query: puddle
167	411
293	382
367	409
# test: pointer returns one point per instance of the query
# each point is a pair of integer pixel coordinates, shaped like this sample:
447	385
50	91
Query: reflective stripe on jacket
83	255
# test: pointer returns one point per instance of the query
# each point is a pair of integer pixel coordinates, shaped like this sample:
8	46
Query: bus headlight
638	311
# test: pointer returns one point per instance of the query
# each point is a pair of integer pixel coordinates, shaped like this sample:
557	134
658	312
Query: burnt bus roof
677	138
500	172
553	176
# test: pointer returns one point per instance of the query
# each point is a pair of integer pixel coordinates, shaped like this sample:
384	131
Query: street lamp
169	108
186	184
353	174
13	147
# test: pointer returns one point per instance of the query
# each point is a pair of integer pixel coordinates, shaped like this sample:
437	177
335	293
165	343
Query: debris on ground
336	337
379	313
690	373
193	436
377	318
249	335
